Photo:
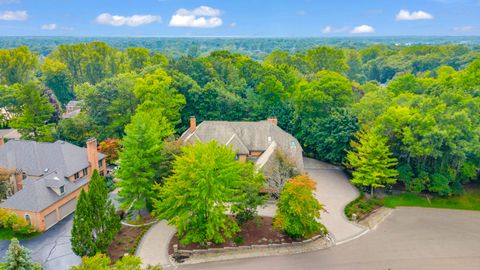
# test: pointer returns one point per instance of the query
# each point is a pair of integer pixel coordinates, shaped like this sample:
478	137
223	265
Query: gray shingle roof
246	136
34	158
36	194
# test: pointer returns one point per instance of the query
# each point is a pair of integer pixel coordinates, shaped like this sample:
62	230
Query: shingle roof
34	158
10	133
36	194
246	136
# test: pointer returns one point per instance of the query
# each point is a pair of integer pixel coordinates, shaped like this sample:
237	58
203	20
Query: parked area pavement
52	249
409	238
153	248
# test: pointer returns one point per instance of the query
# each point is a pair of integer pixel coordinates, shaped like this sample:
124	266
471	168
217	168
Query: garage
68	208
50	219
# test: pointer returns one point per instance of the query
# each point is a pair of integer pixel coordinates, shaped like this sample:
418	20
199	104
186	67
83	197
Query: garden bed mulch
254	232
126	241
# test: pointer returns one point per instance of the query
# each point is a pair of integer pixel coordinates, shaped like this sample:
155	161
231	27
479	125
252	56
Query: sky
239	18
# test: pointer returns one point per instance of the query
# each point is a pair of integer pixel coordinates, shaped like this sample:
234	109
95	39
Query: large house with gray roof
255	141
46	178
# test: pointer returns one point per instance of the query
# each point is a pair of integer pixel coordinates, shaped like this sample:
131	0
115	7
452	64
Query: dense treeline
425	100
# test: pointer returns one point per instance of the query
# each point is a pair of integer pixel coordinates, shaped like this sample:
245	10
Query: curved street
410	238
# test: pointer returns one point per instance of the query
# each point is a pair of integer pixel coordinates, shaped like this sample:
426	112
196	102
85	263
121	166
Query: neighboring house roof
72	103
38	158
247	136
71	114
37	194
10	134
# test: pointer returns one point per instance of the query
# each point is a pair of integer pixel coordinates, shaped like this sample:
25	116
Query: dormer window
76	175
62	190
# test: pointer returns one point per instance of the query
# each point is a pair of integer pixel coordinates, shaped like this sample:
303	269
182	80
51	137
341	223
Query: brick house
47	178
255	141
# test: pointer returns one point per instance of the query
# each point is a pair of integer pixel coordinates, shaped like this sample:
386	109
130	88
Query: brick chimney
92	155
193	123
2	141
18	180
273	120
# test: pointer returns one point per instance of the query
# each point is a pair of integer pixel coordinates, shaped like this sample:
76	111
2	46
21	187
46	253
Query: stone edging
229	253
376	217
138	225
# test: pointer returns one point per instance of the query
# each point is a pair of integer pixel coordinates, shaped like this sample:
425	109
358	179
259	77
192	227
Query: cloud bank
8	15
49	27
405	15
132	21
363	29
201	17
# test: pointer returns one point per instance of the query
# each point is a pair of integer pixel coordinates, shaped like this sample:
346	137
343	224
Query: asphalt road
410	238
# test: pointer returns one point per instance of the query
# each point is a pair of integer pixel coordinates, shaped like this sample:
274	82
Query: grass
470	200
362	206
8	234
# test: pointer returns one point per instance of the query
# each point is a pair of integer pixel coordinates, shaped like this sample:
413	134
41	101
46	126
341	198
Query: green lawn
7	234
470	200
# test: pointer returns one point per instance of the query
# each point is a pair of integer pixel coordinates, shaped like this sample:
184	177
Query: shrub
298	209
361	206
18	224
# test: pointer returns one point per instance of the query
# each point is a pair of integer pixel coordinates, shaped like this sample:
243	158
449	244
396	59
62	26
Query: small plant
238	240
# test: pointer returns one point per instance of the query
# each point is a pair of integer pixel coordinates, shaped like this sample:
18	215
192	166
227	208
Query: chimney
18	180
2	141
92	154
193	123
273	120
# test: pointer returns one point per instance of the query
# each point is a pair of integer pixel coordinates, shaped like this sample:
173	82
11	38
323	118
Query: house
10	134
72	109
255	141
47	178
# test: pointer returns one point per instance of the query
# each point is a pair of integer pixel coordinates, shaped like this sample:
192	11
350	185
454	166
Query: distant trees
207	180
371	160
95	223
298	211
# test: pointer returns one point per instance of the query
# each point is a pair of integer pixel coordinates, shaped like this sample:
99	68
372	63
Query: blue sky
255	18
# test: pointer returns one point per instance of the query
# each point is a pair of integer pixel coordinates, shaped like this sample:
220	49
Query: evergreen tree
298	210
371	160
95	223
18	258
83	243
140	158
34	113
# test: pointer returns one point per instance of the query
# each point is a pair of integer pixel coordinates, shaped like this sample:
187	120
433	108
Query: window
62	189
27	218
76	175
85	171
100	164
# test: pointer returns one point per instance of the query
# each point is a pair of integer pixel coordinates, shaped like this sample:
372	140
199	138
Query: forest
421	101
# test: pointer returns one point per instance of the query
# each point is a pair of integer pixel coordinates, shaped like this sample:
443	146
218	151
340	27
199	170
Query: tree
34	113
110	147
298	210
5	175
95	223
57	77
97	261
371	160
140	158
207	179
280	170
325	58
18	258
17	65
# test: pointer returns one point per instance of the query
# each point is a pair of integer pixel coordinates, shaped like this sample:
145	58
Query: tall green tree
17	65
95	223
207	179
18	258
57	77
34	113
371	160
141	157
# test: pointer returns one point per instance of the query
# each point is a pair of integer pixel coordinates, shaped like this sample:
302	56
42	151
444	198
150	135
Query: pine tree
140	158
105	222
298	210
18	258
95	223
371	160
83	242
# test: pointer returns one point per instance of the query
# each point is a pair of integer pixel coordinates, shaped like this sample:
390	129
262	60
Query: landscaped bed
126	241
254	232
362	207
8	234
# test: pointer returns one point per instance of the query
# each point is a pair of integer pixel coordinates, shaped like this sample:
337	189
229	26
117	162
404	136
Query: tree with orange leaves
298	210
110	147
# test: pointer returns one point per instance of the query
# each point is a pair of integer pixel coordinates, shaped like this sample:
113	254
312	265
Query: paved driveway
52	249
410	238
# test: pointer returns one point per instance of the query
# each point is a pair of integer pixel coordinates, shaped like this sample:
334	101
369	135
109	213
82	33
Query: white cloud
50	26
133	21
464	29
405	15
8	15
233	24
201	17
363	29
334	30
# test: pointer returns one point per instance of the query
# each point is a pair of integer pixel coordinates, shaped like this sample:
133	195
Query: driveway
410	238
52	249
